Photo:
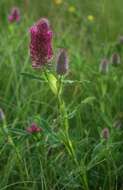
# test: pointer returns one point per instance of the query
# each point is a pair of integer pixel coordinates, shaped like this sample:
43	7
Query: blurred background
72	15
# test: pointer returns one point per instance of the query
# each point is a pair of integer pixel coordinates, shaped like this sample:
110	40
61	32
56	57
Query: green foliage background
93	101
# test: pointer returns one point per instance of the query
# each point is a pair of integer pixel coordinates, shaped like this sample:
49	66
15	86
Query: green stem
65	127
64	124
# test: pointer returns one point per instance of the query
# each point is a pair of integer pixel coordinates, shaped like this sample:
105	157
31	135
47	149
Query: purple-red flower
33	128
41	43
14	15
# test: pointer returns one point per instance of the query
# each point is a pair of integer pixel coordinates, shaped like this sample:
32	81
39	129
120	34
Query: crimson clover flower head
33	128
14	15
41	43
62	62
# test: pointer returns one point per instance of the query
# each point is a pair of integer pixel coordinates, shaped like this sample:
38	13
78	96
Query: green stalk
65	129
63	118
103	94
56	86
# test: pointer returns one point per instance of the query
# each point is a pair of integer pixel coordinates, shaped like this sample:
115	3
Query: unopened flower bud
115	59
105	133
104	66
120	40
14	15
2	116
62	62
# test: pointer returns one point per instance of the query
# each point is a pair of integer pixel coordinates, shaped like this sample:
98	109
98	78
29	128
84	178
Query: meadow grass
70	152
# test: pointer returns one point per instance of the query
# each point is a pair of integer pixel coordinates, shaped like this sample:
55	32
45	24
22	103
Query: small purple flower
115	59
41	43
105	133
33	129
62	62
104	66
14	15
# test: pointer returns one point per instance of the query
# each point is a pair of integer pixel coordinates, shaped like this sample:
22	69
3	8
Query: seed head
104	66
62	62
41	43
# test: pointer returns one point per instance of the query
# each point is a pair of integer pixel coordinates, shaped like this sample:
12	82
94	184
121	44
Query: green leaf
52	81
32	76
75	81
88	100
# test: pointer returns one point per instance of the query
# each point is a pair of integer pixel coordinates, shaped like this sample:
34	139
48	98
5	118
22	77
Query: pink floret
33	128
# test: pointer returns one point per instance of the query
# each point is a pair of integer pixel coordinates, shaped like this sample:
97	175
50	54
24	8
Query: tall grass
54	159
